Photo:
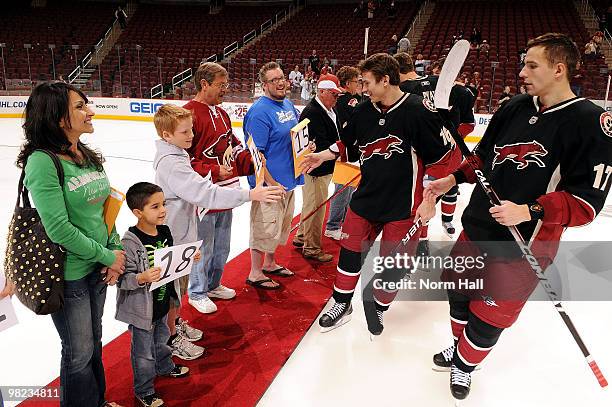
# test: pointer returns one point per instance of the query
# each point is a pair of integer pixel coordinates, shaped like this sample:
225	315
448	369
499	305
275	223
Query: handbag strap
22	191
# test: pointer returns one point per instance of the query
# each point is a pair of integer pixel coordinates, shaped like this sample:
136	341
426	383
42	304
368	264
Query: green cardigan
73	217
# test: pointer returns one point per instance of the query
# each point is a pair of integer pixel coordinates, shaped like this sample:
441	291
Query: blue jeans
79	324
215	231
151	356
337	207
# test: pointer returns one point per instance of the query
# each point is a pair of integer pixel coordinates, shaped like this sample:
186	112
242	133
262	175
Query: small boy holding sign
146	311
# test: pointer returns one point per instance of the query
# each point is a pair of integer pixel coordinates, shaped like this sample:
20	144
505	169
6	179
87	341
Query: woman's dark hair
47	106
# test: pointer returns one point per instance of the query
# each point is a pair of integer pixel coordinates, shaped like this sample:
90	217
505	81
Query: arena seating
62	23
180	40
331	30
191	34
507	26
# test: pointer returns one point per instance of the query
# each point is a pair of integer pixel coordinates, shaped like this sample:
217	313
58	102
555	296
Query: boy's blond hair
167	118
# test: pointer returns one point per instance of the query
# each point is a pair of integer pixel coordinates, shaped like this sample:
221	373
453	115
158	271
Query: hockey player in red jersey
545	154
397	137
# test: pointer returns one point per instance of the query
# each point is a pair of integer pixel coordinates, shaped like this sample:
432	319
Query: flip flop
259	284
279	272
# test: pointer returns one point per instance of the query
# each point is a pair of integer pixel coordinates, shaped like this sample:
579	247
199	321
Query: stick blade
450	70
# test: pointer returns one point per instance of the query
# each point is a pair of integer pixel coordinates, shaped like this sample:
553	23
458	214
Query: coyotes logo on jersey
213	153
384	146
605	121
521	154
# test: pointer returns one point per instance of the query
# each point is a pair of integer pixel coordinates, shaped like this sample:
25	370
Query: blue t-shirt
269	122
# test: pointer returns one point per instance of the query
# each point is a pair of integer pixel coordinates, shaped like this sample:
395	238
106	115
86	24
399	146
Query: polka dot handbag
33	262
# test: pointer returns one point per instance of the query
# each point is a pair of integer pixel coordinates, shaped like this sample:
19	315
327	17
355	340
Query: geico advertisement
118	108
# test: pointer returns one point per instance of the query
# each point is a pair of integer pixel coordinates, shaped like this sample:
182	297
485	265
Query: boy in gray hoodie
145	311
185	190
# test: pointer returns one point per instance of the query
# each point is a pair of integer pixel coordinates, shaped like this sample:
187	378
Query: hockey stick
324	202
607	93
450	70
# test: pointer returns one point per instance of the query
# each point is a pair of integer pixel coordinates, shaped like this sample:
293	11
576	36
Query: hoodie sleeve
190	186
128	281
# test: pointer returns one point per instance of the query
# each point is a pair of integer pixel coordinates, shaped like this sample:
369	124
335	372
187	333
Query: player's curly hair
559	48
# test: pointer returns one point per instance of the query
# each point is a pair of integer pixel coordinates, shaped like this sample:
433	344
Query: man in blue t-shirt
268	122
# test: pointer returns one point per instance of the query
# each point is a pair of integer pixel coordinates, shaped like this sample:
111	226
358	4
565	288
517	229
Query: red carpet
248	339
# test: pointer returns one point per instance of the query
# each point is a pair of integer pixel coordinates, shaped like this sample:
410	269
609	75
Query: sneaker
183	349
222	292
449	229
187	331
151	401
423	248
319	256
460	382
338	315
178	372
203	305
335	234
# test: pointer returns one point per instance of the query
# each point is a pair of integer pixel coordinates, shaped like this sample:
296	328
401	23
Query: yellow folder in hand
345	173
111	208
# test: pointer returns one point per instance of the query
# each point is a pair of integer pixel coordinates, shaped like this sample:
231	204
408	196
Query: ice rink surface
536	363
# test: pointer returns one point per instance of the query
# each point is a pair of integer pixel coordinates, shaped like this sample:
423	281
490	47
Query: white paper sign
7	312
175	261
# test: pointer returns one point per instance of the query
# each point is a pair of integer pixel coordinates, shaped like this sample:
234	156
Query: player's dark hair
47	106
382	64
558	48
405	62
346	73
265	68
138	195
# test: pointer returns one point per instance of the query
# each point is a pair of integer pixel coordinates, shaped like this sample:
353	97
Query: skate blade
442	369
458	403
342	321
374	338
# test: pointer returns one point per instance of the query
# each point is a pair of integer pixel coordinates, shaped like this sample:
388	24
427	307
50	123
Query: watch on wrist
536	211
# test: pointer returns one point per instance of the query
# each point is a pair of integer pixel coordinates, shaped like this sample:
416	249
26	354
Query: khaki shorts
270	223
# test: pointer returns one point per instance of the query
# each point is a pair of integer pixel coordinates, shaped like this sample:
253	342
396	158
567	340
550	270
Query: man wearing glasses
323	131
216	152
268	122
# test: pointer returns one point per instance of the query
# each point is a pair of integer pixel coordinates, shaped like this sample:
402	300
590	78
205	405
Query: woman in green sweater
56	116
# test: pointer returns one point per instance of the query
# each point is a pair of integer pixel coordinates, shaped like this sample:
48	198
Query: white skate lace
459	377
448	353
337	310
